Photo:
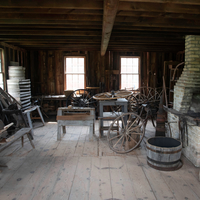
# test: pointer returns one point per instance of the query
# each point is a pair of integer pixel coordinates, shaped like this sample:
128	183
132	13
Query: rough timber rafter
61	23
75	4
109	14
188	2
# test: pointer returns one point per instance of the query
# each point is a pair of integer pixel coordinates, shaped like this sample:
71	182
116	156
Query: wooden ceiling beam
161	30
75	4
157	22
185	2
51	38
51	32
53	26
158	14
4	44
82	16
109	14
159	7
48	22
120	40
90	40
52	11
142	48
50	16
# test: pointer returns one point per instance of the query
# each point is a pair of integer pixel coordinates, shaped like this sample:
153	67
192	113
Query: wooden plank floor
78	169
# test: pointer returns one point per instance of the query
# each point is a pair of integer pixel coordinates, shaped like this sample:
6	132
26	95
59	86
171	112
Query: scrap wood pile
11	116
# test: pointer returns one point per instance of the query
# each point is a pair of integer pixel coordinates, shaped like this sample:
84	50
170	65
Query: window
74	72
1	69
130	72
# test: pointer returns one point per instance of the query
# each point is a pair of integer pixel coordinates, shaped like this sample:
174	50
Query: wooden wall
13	54
47	69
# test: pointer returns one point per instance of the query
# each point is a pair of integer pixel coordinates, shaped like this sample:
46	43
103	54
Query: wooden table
106	116
75	116
57	101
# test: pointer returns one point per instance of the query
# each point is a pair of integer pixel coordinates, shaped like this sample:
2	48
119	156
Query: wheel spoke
114	137
132	124
118	141
135	133
122	143
130	134
128	121
132	129
127	143
87	95
132	139
117	124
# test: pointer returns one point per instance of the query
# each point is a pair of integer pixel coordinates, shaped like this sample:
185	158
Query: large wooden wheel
82	98
126	133
148	94
113	95
133	105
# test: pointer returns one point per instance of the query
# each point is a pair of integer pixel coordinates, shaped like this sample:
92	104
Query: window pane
69	68
75	73
81	82
1	81
129	73
129	81
0	61
74	65
69	80
81	65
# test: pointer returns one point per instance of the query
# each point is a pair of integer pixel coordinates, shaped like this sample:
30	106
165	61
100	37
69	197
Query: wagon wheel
126	133
113	95
149	94
82	98
133	105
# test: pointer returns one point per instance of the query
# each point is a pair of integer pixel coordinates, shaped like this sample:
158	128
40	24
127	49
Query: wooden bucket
164	153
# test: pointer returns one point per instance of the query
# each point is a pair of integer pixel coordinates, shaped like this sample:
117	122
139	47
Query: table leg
59	132
100	120
91	132
22	141
64	129
93	127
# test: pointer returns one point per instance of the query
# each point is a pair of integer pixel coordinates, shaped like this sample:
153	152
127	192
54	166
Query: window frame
65	74
2	68
139	70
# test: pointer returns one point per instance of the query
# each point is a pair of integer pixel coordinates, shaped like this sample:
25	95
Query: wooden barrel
164	153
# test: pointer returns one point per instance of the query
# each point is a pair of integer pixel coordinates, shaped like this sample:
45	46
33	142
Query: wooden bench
16	136
75	116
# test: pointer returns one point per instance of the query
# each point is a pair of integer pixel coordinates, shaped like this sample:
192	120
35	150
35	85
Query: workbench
109	116
75	116
50	103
